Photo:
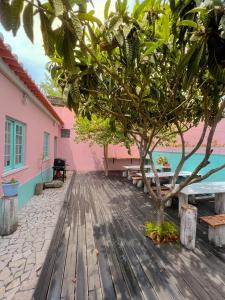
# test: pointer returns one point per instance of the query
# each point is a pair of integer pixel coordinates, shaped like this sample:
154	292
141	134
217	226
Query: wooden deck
99	250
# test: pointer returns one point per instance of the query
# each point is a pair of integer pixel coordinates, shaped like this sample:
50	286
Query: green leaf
106	10
58	7
47	34
152	46
184	60
215	69
93	37
139	9
78	30
16	9
68	46
196	10
5	14
89	17
188	23
28	21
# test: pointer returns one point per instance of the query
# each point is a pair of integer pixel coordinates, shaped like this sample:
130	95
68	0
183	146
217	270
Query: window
46	146
65	133
14	144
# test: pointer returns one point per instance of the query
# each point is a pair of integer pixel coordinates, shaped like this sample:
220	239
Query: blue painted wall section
26	191
191	163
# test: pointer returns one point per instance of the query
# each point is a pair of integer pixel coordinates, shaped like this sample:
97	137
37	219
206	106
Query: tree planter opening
10	189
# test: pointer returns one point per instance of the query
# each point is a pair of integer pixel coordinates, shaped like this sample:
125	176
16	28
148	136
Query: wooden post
220	203
188	226
8	215
216	235
182	199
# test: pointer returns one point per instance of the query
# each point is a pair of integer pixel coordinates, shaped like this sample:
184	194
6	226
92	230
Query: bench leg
216	235
168	203
124	174
183	199
140	183
129	175
135	181
220	203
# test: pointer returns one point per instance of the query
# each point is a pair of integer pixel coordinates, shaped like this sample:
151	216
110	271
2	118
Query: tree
156	72
50	87
99	131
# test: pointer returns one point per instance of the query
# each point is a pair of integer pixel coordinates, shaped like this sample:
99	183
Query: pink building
32	132
29	128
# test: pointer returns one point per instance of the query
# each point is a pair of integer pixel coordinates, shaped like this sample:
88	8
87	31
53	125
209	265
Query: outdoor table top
166	174
136	167
203	188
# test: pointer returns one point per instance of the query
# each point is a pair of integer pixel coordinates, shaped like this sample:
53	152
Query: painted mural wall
36	121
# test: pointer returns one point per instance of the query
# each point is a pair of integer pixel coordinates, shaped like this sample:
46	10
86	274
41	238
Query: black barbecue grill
59	169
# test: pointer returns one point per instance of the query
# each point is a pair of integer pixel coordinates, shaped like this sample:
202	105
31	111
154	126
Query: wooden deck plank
45	278
81	270
69	280
114	265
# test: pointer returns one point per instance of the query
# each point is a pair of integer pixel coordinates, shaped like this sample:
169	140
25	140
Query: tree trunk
106	165
160	215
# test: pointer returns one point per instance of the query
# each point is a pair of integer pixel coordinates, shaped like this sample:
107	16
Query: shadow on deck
99	250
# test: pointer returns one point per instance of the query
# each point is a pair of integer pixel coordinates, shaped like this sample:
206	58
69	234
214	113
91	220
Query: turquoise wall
215	161
26	190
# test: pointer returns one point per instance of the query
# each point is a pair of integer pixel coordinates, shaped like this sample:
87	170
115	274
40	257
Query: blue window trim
13	165
46	146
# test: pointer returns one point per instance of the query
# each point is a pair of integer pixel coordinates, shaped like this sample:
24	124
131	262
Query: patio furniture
216	232
136	168
59	169
204	188
135	179
164	175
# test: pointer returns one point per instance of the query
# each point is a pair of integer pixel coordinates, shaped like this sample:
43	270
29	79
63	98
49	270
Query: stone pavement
22	253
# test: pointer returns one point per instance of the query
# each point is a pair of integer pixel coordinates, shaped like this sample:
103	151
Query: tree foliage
157	71
99	131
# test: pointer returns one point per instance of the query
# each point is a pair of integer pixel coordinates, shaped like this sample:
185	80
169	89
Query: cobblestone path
22	253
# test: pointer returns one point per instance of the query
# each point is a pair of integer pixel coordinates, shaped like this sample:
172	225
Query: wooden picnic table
217	188
169	175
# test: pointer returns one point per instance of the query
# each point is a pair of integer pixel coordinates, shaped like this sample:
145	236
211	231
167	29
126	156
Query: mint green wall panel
26	191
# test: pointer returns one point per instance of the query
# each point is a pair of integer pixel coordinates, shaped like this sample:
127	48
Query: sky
32	55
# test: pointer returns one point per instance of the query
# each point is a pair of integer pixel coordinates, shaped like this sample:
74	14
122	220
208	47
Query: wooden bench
136	179
216	233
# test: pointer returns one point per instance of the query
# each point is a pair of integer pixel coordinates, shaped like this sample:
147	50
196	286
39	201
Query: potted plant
163	161
10	188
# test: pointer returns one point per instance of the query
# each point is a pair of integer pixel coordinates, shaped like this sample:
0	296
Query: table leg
182	199
220	203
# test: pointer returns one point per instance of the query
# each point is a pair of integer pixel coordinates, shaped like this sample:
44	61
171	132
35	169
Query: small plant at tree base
162	160
165	233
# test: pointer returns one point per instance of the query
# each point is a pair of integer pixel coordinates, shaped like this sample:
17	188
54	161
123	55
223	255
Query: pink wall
36	121
86	157
192	136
